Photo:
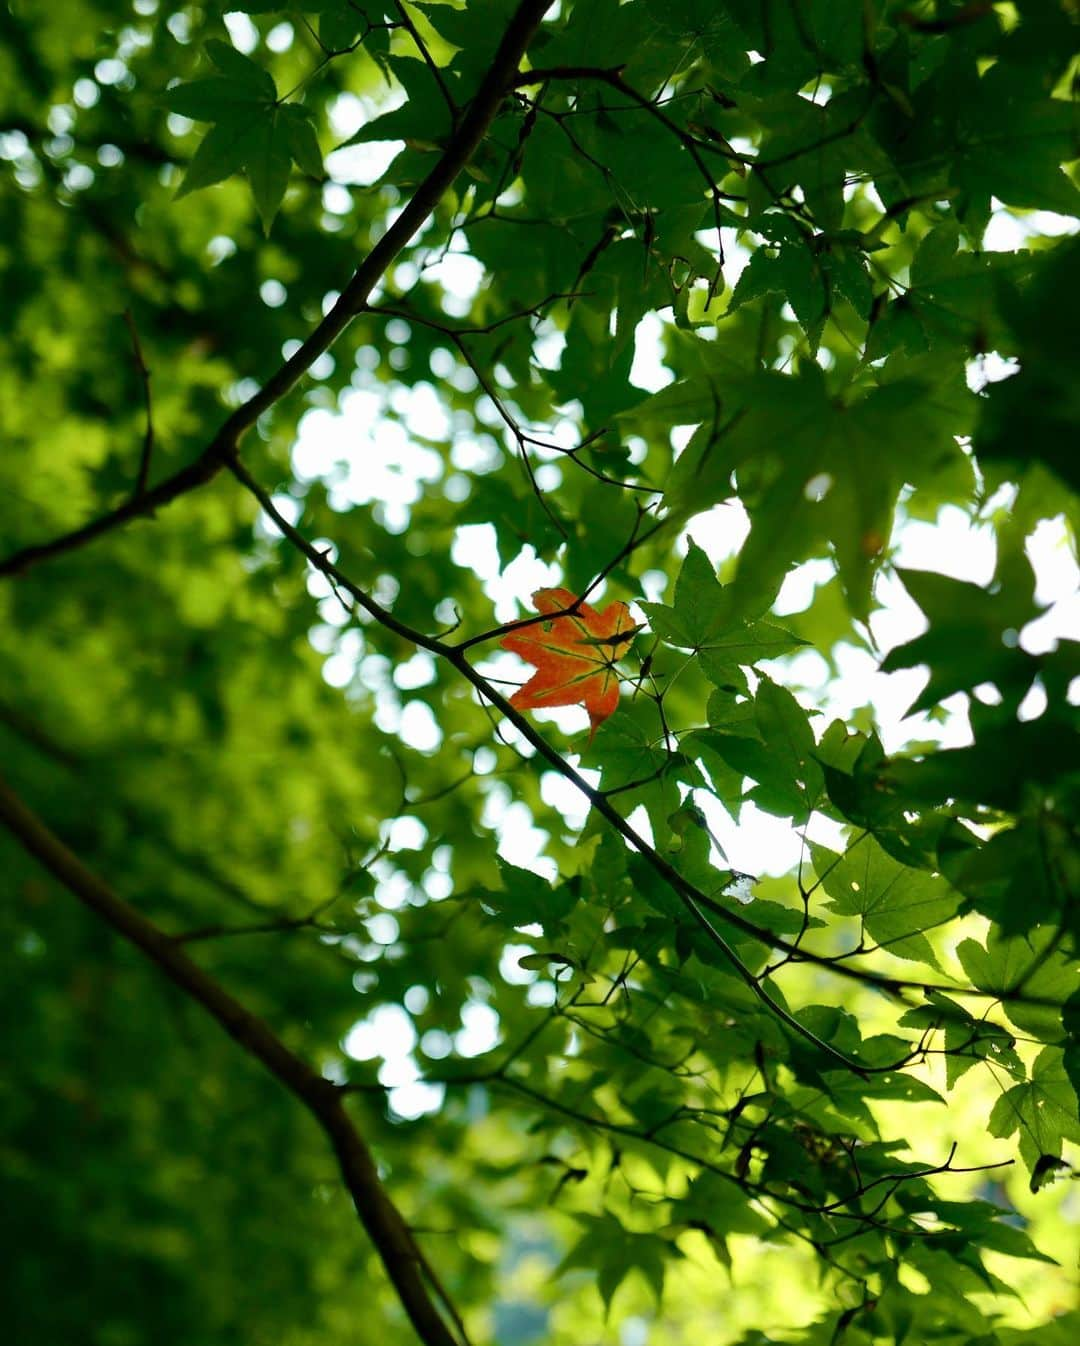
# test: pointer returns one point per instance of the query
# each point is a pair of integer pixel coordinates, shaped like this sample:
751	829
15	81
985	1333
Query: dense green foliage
834	1104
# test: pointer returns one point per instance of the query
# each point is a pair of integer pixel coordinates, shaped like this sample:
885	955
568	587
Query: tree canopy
363	977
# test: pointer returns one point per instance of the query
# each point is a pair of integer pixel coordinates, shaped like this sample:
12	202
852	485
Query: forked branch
468	134
405	1264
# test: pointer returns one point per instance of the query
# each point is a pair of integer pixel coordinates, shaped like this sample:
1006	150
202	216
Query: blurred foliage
715	1109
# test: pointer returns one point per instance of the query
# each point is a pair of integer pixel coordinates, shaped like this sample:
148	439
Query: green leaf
250	134
223	151
743	646
1043	1109
699	608
897	905
986	772
303	142
1008	964
780	787
1032	414
422	121
968	642
1010	878
784	728
260	147
967	1040
1039	132
1070	1019
340	25
218	99
268	162
240	69
611	1251
527	899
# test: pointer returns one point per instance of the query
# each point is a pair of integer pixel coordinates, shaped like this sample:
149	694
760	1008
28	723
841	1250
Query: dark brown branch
469	133
404	1262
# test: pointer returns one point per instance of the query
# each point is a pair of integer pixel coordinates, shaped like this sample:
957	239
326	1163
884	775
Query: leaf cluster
334	330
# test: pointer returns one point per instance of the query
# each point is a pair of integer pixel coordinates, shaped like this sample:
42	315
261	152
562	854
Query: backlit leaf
574	651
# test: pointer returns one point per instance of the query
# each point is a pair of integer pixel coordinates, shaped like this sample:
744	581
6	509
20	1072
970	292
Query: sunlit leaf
574	651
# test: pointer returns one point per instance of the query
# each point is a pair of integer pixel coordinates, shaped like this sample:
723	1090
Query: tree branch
401	1256
690	896
688	893
470	132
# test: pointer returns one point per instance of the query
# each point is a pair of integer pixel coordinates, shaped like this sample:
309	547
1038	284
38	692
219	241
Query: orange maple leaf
574	655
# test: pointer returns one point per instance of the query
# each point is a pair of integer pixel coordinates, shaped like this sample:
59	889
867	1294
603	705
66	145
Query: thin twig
688	893
421	47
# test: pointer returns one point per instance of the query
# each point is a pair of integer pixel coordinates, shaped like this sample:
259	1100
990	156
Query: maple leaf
574	655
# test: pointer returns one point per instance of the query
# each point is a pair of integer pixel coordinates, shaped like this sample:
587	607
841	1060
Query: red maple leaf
573	653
